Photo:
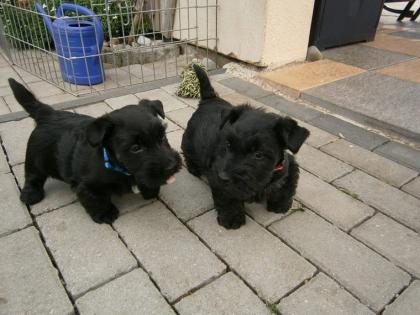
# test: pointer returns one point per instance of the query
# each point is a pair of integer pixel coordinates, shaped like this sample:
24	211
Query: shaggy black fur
242	153
68	147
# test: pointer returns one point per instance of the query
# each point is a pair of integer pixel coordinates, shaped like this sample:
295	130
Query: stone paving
349	245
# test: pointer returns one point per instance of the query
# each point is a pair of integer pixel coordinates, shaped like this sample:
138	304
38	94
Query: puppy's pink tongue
171	180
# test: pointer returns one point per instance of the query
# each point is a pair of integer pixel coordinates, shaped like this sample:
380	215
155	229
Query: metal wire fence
90	45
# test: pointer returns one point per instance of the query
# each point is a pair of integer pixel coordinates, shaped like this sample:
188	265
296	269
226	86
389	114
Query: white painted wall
261	32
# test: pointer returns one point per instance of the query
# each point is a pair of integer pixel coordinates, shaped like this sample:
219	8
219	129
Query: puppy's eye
259	155
136	148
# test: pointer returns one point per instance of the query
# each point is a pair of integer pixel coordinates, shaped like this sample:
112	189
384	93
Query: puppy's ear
97	130
290	133
155	107
233	114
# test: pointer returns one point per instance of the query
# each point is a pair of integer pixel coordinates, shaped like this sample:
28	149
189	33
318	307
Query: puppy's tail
28	101
206	90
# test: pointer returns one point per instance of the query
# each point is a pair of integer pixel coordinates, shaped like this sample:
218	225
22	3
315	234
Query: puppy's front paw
31	196
231	222
108	215
149	193
279	207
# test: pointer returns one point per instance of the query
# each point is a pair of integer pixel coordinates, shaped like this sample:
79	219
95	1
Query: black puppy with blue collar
123	151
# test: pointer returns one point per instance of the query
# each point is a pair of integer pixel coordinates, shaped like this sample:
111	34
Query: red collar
279	167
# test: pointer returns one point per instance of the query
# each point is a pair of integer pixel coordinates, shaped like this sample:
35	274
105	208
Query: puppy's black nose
223	176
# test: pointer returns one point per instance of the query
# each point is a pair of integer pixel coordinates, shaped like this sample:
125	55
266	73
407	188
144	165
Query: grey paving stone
374	164
4	109
262	260
405	34
393	240
57	193
88	254
244	87
181	116
413	187
173	256
15	135
323	165
322	296
400	153
287	107
132	293
43	89
348	131
121	101
376	97
13	212
170	103
4	166
317	137
170	126
94	110
408	303
365	57
56	99
260	214
329	202
226	295
5	73
395	203
221	76
175	139
188	197
129	202
371	278
29	283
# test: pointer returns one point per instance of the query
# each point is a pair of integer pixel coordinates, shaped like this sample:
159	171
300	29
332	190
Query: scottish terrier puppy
123	151
242	153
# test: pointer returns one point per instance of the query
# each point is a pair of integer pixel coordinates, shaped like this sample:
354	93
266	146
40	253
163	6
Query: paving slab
13	212
396	44
171	89
408	303
226	295
175	139
290	108
387	199
246	88
43	89
181	116
132	293
5	73
188	197
57	193
4	166
348	131
322	296
393	240
164	247
406	34
15	135
121	101
262	260
317	137
322	165
170	103
29	283
88	254
372	163
331	203
4	109
373	96
365	57
259	213
400	153
170	126
94	110
413	187
368	276
56	99
303	76
5	90
129	202
409	70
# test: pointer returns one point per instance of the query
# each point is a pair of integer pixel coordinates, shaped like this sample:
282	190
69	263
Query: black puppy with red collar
242	152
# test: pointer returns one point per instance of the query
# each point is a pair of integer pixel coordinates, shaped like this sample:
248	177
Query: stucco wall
261	32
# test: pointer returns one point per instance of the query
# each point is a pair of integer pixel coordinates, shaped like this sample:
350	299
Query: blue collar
110	166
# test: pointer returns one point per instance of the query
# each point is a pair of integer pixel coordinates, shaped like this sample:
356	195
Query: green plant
189	86
24	23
